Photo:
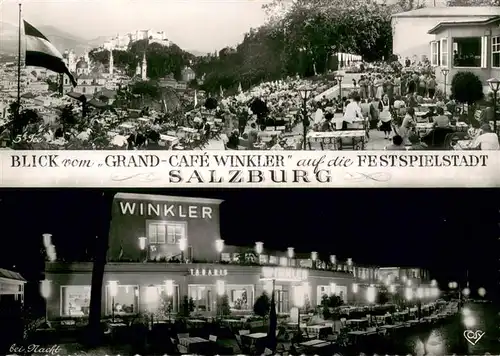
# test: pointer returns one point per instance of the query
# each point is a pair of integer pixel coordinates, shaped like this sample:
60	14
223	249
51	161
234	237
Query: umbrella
273	325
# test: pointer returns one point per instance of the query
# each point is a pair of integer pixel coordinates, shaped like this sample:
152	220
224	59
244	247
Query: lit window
495	52
75	301
166	232
467	52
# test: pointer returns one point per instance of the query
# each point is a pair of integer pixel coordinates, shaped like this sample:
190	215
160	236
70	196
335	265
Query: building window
467	52
322	291
263	259
273	260
495	52
160	232
226	257
283	261
240	297
75	301
125	302
202	297
83	90
443	61
434	53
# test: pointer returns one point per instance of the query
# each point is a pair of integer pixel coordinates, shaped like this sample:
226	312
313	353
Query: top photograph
240	75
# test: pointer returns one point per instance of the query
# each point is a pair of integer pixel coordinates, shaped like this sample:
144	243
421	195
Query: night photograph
253	271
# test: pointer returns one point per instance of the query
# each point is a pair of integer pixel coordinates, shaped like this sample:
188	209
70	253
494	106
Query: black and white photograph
253	272
250	75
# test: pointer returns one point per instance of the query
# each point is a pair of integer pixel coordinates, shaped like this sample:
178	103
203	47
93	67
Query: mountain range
60	39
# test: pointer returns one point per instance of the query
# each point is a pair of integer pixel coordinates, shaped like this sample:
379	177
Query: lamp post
408	298
221	290
219	246
299	300
142	246
259	248
169	290
494	84
354	292
333	261
182	247
445	72
113	291
290	252
339	78
314	257
45	290
305	93
371	295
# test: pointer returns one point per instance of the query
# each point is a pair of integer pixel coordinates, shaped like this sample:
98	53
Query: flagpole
19	66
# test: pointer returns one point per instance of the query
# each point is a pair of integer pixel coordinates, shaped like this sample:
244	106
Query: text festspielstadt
422	160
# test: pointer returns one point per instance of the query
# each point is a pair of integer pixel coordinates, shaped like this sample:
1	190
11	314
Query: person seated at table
252	136
352	111
397	144
441	120
416	145
487	115
326	125
407	125
206	128
233	140
429	115
436	137
487	139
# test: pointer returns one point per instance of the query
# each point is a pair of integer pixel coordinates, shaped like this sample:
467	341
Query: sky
202	25
446	231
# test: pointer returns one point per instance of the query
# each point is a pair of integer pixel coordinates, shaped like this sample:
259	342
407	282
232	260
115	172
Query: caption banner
245	168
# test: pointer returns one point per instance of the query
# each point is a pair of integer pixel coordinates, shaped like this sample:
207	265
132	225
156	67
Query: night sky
446	231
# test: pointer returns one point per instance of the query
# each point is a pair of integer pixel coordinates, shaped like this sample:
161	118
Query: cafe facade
170	247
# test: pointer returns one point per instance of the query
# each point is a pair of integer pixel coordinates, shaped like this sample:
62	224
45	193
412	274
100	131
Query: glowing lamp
371	294
169	287
466	292
481	291
494	84
219	245
221	287
299	296
392	289
349	261
259	247
45	288
408	293
333	259
142	243
305	92
182	244
333	288
113	288
47	240
314	255
434	283
409	283
290	252
355	288
469	321
420	293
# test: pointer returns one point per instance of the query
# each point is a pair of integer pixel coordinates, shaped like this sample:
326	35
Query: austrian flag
41	53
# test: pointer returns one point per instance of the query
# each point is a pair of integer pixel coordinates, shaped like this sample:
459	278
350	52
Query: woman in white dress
385	117
379	87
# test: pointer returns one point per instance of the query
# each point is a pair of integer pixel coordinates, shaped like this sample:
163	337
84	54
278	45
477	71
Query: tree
67	118
262	305
187	307
21	123
466	88
223	308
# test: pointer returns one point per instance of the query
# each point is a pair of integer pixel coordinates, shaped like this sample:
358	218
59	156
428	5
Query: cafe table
317	330
315	343
194	344
172	140
336	139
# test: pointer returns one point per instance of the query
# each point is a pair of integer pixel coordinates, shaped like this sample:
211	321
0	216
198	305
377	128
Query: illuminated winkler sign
166	210
285	274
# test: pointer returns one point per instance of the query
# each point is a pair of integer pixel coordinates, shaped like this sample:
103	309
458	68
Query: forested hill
161	60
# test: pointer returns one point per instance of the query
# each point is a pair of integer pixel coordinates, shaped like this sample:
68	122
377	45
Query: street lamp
113	291
445	72
466	292
333	260
299	301
433	283
494	84
182	247
371	295
291	253
220	287
142	247
219	246
339	78
45	290
314	257
481	291
259	248
305	93
354	292
169	290
151	300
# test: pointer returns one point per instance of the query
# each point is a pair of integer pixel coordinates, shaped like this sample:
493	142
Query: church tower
144	68
111	63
